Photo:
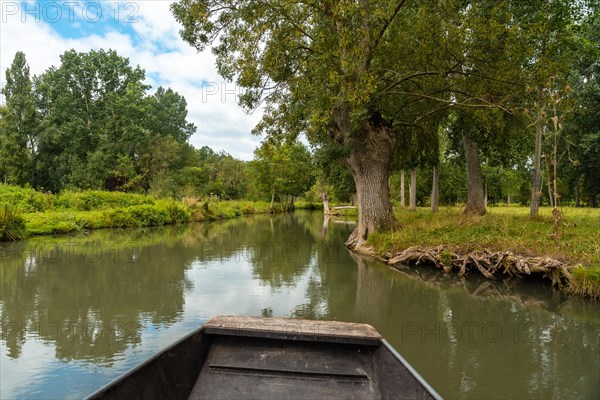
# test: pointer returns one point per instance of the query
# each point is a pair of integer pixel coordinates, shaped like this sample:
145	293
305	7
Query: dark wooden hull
273	358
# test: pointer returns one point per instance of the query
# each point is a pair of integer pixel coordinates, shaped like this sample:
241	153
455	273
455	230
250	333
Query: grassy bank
35	213
506	229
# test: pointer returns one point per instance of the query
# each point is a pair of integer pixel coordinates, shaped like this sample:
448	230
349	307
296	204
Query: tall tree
102	130
585	125
285	170
92	106
20	124
353	74
168	115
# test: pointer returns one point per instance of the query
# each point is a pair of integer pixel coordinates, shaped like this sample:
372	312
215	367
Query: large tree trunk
412	191
402	191
370	165
534	209
435	190
475	195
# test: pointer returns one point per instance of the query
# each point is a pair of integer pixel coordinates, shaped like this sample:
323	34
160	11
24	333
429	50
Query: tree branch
383	30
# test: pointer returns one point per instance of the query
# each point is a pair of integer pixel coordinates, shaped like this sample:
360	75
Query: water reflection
87	295
78	310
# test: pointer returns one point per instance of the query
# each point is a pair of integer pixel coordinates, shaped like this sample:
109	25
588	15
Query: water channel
77	311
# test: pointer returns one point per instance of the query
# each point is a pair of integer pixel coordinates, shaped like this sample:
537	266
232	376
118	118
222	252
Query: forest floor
505	240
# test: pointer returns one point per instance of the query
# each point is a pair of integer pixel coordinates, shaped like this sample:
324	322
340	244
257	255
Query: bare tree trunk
534	209
412	191
555	159
508	200
549	183
435	190
402	191
370	164
475	195
485	195
33	162
325	198
577	198
272	199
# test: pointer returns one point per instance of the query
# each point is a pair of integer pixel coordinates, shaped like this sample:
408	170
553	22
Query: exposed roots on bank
486	262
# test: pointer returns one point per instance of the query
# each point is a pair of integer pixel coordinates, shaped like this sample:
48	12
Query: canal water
78	311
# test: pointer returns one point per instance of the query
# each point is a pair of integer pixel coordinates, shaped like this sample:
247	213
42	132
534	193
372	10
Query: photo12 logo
69	11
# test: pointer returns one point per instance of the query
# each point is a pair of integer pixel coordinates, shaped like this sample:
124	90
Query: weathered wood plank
293	329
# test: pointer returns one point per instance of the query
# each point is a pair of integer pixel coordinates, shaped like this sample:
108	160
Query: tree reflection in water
92	296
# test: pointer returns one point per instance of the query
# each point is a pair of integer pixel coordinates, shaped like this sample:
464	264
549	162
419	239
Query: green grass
502	228
505	228
27	200
12	224
35	213
585	281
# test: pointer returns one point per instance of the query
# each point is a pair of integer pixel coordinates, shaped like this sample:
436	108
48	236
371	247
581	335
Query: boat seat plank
294	329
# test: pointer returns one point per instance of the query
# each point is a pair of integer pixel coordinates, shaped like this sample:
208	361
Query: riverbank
25	212
503	242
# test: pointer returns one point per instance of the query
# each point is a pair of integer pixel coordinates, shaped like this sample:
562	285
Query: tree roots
486	262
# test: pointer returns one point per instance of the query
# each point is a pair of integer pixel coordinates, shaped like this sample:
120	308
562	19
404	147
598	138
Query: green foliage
163	185
283	169
19	124
98	200
502	229
147	215
583	141
99	127
585	281
176	212
26	200
35	213
12	224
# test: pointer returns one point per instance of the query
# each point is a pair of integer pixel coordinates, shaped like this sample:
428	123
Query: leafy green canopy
19	122
333	68
101	129
283	168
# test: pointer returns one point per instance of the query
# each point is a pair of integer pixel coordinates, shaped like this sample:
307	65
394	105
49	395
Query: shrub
25	200
177	213
119	218
12	224
99	200
147	215
585	281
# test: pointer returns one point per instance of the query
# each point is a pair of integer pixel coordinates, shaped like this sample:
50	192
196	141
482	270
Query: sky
145	32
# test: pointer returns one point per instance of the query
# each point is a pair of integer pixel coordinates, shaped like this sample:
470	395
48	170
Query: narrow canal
77	311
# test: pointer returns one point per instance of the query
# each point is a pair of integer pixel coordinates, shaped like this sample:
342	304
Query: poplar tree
20	122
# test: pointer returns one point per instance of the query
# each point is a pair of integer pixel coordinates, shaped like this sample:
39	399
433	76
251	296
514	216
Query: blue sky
146	33
77	19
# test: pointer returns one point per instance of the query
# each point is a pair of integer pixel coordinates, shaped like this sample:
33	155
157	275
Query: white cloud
156	47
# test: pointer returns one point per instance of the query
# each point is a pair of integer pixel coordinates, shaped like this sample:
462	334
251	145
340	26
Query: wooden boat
273	358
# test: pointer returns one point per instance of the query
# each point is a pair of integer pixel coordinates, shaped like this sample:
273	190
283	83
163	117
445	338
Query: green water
77	311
